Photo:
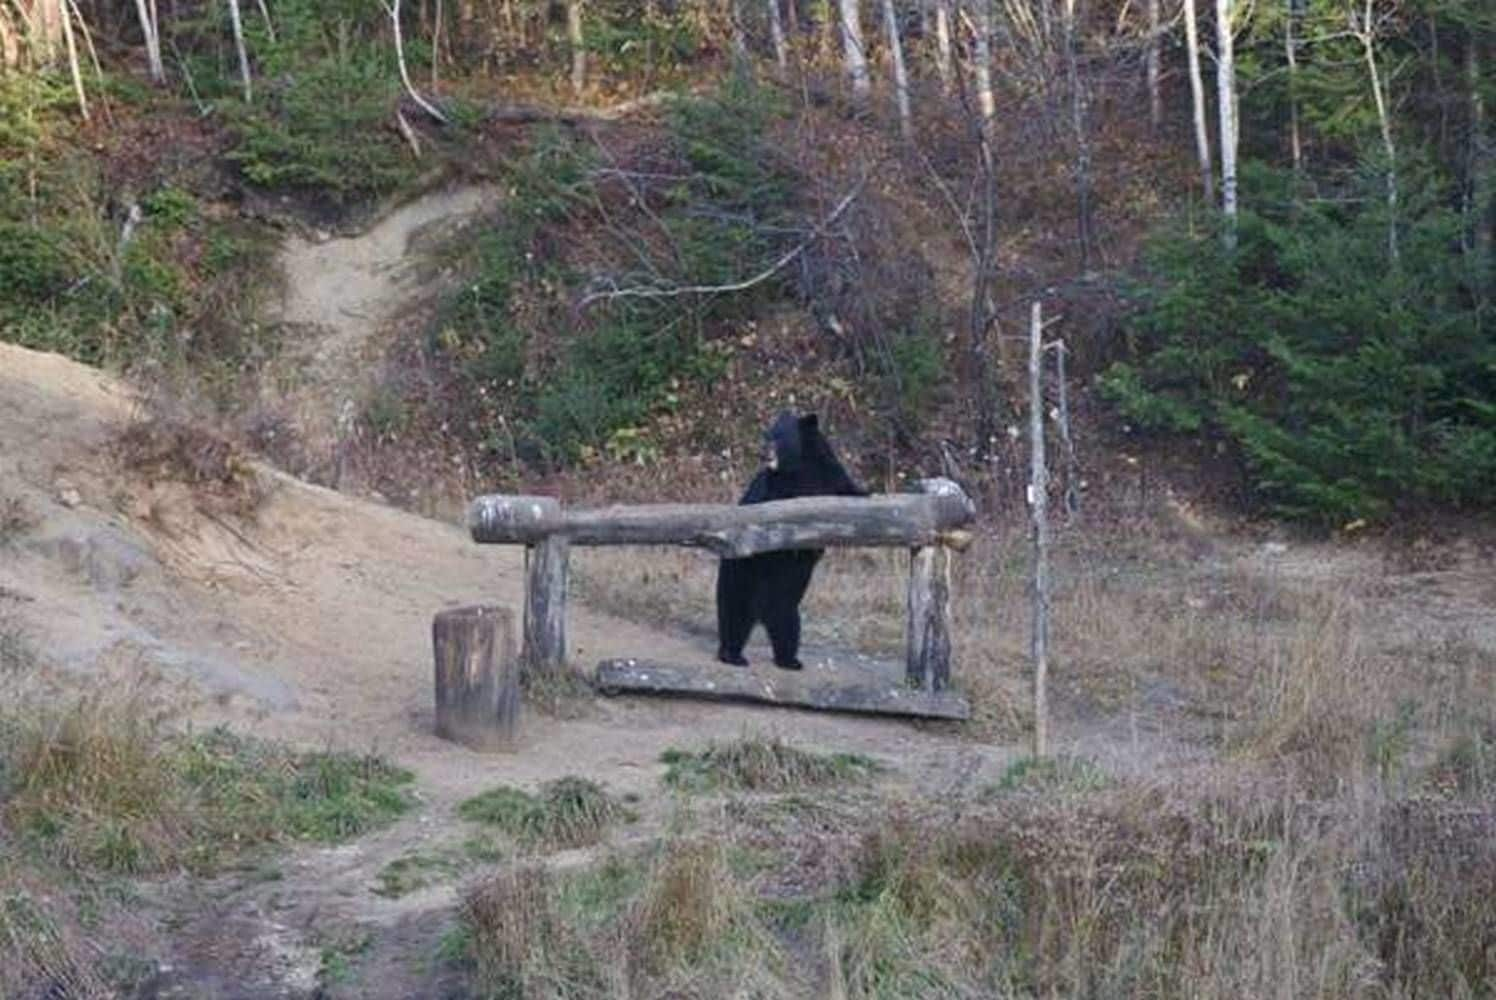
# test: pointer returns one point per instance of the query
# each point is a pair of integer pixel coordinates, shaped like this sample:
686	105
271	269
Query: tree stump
477	677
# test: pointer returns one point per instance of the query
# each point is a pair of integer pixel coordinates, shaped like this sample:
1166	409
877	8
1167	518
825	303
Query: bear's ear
810	422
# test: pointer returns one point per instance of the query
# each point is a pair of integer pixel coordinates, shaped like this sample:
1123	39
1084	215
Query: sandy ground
309	621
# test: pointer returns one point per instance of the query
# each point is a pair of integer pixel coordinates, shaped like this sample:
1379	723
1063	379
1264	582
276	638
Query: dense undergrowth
618	282
1354	385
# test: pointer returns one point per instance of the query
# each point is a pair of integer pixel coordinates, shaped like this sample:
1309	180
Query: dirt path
342	298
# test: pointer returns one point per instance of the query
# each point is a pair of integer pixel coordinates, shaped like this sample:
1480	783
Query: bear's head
786	439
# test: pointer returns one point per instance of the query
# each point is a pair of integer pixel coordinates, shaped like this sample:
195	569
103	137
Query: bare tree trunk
1154	68
981	312
1366	33
900	75
1039	511
1082	142
1291	50
73	67
264	15
982	54
149	30
1481	208
854	52
47	30
1197	93
943	42
776	34
1226	113
438	21
238	26
741	63
10	41
410	88
578	48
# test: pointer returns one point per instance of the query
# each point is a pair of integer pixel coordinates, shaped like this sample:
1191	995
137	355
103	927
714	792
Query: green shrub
1350	386
567	812
605	372
324	131
33	264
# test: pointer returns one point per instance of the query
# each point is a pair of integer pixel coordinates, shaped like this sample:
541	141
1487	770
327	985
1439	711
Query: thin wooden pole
1039	510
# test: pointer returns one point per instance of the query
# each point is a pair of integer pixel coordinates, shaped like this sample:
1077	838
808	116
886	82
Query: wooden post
928	632
477	677
1038	498
545	604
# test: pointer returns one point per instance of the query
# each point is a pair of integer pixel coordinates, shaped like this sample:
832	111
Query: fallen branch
408	132
528	114
394	11
735	286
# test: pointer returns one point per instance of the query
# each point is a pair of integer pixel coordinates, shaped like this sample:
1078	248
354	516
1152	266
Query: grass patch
16	520
415	871
761	765
681	925
518	944
1051	774
568	812
95	783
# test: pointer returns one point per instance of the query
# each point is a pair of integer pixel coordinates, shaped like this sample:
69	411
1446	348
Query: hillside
284	285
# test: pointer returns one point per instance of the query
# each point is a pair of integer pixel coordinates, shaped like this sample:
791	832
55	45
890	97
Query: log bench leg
545	604
928	631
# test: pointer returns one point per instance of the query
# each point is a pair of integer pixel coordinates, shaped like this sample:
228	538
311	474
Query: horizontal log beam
933	517
778	687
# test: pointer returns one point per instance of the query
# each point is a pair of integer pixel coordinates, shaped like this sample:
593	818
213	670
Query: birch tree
776	33
982	59
578	48
1364	27
1291	53
1082	141
74	69
943	42
145	10
1480	210
1226	113
1155	66
1197	97
854	52
900	75
237	22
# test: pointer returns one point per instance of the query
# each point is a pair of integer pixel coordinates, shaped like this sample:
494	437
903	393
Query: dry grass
679	925
98	782
761	765
39	952
567	812
167	440
519	944
1319	670
1222	883
1329	831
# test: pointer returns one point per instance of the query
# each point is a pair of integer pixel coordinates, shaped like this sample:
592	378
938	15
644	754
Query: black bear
797	462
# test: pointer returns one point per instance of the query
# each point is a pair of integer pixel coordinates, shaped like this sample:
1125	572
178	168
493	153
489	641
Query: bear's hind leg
734	610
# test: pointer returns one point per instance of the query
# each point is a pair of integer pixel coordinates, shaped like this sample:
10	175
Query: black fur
768	588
